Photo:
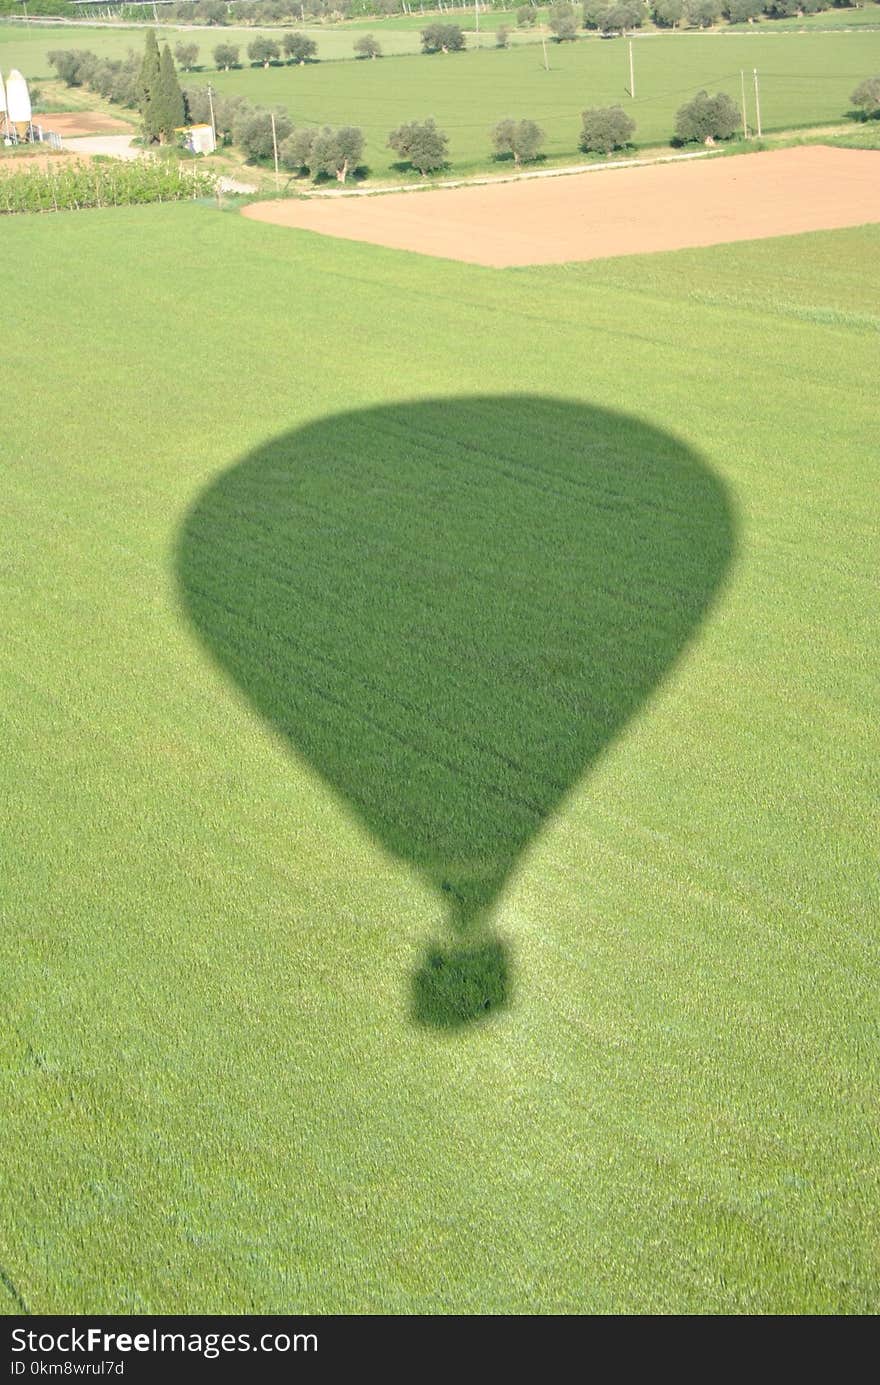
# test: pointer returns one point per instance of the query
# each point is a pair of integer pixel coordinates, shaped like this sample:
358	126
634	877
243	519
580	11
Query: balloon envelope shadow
451	607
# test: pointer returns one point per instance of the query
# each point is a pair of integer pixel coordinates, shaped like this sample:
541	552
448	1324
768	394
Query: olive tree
706	118
739	10
604	128
368	47
702	14
866	97
668	13
295	152
252	131
186	55
299	47
442	38
421	144
563	22
521	138
263	50
226	55
613	16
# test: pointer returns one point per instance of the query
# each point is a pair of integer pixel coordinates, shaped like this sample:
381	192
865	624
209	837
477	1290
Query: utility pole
632	73
757	104
477	16
544	46
275	148
211	108
742	84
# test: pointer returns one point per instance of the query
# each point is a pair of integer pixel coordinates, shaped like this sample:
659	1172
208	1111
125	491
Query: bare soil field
589	216
70	124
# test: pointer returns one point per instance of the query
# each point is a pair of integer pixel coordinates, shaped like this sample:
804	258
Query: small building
199	139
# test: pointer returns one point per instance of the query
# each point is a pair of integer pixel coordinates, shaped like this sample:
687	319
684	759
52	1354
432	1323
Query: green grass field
396	633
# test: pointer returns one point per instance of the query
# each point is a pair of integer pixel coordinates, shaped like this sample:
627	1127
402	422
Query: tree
612	16
706	118
739	10
263	50
149	77
187	54
226	56
526	17
101	80
502	36
702	14
866	98
368	47
296	150
299	47
166	111
604	128
252	130
521	138
442	38
668	13
563	22
335	152
421	144
198	110
72	65
622	15
787	9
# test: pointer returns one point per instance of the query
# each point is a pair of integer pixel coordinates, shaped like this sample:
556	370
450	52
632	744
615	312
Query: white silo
18	103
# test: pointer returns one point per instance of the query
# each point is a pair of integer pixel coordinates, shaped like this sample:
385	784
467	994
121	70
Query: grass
240	1068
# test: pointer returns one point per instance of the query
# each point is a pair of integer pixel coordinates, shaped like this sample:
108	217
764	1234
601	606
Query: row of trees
265	51
115	79
332	152
149	85
621	16
603	129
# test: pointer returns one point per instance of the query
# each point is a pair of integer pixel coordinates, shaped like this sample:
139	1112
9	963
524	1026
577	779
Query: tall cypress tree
148	83
167	110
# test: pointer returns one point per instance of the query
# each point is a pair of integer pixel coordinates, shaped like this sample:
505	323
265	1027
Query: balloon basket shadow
461	984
